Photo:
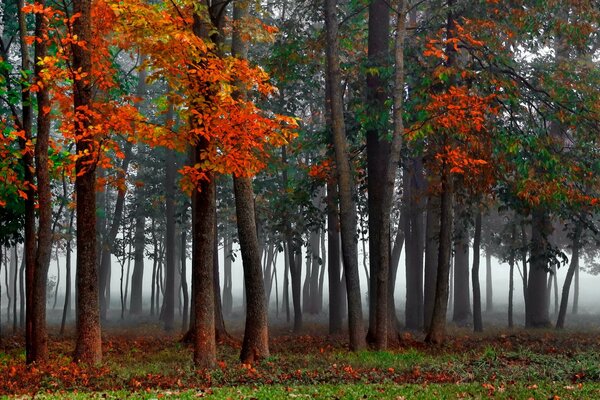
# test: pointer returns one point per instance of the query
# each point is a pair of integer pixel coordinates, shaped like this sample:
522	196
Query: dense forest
309	153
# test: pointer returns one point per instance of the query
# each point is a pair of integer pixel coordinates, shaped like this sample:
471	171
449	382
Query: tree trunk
220	331
378	152
432	233
256	335
295	263
169	299
462	301
227	278
413	231
538	271
344	179
573	266
137	277
477	319
29	249
489	296
67	305
184	284
575	308
511	281
203	212
333	260
88	348
524	277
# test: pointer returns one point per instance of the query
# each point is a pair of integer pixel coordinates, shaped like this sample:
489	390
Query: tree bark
333	260
29	249
44	196
67	305
378	152
538	271
256	335
432	233
169	299
344	178
477	318
462	301
489	296
573	266
413	230
137	277
203	212
88	348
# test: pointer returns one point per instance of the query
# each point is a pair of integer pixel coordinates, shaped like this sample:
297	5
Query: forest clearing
145	363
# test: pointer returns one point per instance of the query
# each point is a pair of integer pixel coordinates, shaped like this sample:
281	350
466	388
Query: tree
344	179
256	333
89	343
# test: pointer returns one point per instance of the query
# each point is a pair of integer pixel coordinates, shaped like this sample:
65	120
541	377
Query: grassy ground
152	365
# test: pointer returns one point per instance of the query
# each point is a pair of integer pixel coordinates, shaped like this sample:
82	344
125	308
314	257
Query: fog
589	293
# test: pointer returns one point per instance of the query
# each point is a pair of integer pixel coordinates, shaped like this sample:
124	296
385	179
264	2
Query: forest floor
142	361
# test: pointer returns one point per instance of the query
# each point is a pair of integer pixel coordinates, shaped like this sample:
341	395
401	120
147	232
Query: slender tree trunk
67	305
477	318
575	308
333	260
295	263
462	301
432	233
511	281
573	266
169	297
537	282
135	303
344	179
27	164
227	278
489	296
220	331
286	283
378	152
256	335
184	284
412	227
88	348
524	277
15	258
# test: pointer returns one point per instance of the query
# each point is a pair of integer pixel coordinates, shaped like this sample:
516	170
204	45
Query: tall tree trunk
432	233
286	283
220	331
184	284
573	266
169	299
15	258
511	281
489	296
67	304
256	332
575	308
333	260
137	277
524	276
88	348
477	319
538	272
378	152
29	250
256	335
344	179
462	301
413	225
295	263
227	278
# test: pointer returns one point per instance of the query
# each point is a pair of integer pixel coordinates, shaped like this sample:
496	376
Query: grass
152	366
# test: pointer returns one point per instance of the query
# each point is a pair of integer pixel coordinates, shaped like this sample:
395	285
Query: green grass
359	391
523	365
